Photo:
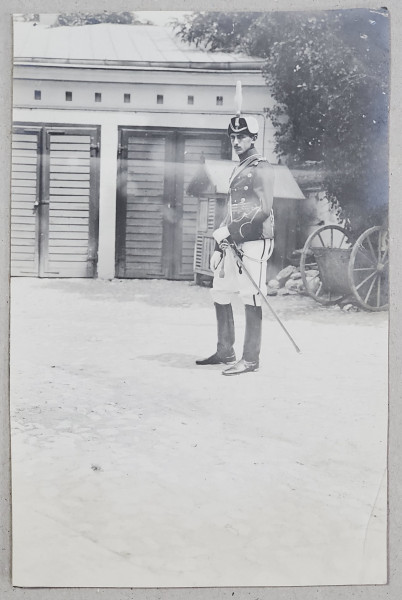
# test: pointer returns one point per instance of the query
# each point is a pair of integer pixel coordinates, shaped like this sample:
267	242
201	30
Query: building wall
142	111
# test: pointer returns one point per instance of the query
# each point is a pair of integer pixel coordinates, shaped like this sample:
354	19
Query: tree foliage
327	73
84	18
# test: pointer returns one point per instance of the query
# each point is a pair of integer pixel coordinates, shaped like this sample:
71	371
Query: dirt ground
133	467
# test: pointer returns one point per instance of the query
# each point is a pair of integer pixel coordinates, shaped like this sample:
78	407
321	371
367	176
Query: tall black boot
252	343
226	337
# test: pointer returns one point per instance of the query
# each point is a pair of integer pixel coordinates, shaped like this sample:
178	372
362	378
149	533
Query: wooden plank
151	194
18	219
23	187
26	146
24	137
23	154
84	193
23	179
61	214
24	234
73	227
22	204
139	259
57	251
19	253
138	189
17	169
68	235
68	147
133	210
65	184
67	221
144	221
18	228
66	243
27	198
72	163
68	169
132	175
60	259
71	205
69	176
144	243
73	154
61	139
16	160
17	213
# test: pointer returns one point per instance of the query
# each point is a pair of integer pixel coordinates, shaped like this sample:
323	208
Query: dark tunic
250	199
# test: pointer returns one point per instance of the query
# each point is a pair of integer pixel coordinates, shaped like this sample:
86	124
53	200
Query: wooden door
156	219
69	206
25	198
55	202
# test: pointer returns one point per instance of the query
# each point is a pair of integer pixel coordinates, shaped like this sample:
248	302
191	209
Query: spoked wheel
368	269
324	264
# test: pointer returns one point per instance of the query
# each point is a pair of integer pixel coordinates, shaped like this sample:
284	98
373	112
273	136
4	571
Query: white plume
238	98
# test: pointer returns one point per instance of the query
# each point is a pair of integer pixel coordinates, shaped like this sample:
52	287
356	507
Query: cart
336	267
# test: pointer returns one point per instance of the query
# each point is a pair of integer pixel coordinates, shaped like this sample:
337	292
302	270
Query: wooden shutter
68	248
212	148
142	234
24	202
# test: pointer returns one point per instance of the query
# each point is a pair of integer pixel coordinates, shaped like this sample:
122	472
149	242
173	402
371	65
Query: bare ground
133	467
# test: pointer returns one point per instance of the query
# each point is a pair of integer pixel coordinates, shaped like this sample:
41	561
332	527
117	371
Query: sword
240	264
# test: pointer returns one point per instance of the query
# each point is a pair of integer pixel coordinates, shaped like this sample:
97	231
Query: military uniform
249	223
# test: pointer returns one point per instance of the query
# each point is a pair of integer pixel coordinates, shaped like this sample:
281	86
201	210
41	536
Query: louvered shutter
143	187
24	202
67	244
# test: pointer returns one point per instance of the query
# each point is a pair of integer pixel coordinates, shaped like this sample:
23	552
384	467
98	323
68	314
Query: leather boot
226	337
252	343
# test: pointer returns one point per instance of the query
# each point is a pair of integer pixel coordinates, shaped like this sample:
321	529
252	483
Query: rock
284	275
291	285
272	292
273	284
296	275
312	273
283	292
350	308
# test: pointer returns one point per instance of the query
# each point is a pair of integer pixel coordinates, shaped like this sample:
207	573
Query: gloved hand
221	234
215	260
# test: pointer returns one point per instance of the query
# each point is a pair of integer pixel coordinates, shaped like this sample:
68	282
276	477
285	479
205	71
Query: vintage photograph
199	298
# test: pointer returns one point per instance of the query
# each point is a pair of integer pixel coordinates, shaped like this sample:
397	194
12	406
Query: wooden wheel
324	264
368	269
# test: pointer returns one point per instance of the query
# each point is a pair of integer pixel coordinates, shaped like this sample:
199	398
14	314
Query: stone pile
287	282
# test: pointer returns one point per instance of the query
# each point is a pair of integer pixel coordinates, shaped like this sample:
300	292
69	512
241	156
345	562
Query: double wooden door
156	218
54	204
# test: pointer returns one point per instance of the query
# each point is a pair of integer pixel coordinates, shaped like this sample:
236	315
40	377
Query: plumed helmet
242	124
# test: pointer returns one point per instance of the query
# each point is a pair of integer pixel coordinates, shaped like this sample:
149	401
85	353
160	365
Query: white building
110	123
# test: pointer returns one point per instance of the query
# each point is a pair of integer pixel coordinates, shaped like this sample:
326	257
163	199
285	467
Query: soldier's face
241	142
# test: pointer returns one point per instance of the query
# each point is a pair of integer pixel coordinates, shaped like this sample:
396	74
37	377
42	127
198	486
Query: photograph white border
393	589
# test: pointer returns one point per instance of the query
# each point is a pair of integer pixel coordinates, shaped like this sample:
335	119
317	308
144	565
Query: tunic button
249	175
242	199
246	187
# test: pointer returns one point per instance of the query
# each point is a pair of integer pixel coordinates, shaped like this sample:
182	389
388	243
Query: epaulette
257	160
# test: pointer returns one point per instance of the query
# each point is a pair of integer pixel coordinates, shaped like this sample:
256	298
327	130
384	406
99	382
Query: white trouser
256	255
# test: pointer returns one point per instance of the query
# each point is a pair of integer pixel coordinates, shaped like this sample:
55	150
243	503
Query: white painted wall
109	121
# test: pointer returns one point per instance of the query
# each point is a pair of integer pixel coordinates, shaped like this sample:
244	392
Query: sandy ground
133	467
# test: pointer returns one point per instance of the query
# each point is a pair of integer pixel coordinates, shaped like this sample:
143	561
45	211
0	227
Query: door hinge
120	149
95	146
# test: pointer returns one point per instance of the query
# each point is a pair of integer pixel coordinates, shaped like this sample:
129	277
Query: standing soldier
250	225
